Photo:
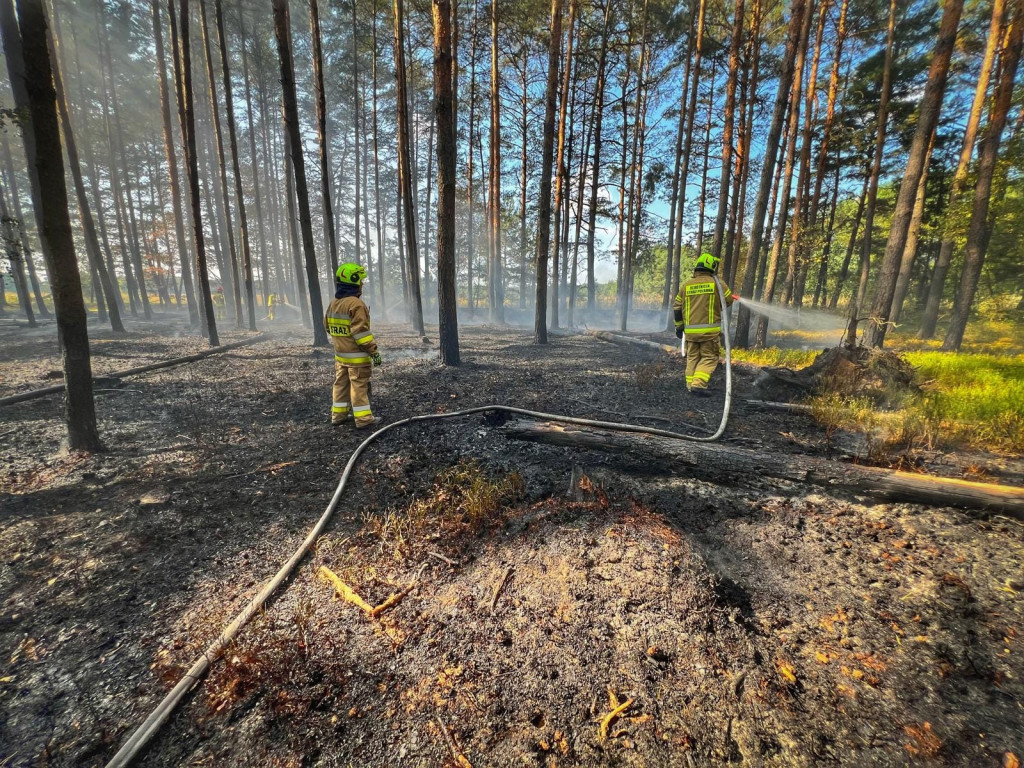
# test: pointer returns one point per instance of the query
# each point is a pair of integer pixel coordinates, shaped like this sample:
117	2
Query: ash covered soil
571	608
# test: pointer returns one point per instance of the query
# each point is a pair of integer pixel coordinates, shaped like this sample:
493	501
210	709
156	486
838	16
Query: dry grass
462	504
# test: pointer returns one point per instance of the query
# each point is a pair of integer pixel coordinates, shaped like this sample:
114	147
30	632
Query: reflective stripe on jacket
698	308
348	323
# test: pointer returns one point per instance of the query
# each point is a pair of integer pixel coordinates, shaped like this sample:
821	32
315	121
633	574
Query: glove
735	297
375	357
679	332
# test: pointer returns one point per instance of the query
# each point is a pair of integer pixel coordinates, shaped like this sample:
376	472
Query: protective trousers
701	361
351	391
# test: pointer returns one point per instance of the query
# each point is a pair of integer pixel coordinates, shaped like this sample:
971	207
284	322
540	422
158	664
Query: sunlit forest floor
763	623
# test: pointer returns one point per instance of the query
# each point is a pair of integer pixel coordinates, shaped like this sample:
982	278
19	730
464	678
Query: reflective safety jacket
348	323
698	308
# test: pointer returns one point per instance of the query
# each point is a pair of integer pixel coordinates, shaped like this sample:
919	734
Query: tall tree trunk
12	245
560	171
16	77
282	29
773	204
820	284
979	230
444	109
470	198
172	166
524	126
122	186
869	215
772	271
928	118
581	188
702	198
243	223
636	177
938	282
187	97
826	136
910	249
320	99
497	270
852	244
254	166
623	150
12	182
428	211
727	130
356	110
404	171
599	88
540	327
365	159
376	176
83	120
92	243
177	50
235	287
46	173
746	138
797	245
674	209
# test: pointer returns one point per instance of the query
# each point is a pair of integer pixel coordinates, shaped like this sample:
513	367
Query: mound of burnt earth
883	377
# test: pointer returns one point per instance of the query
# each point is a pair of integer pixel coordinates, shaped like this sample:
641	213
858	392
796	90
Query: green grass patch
788	358
968	400
978	399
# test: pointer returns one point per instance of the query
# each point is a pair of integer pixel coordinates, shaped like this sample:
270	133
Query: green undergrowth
967	399
776	356
976	399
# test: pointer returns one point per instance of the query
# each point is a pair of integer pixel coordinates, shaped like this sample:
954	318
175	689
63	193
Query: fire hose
156	719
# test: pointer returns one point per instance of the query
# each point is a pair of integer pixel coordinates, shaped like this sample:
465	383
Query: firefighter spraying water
698	317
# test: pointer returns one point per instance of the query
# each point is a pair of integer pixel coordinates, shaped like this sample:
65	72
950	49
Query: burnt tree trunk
107	299
405	172
320	100
188	113
46	173
540	326
236	171
282	29
599	88
172	167
444	109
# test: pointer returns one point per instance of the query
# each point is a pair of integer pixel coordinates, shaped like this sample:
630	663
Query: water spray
794	318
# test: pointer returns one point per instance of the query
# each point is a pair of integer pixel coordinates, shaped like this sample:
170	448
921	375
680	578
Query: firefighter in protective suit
348	323
698	314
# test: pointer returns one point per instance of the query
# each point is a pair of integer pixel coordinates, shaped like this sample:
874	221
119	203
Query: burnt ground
763	623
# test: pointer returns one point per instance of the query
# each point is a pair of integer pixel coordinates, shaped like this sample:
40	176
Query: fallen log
718	463
615	338
57	388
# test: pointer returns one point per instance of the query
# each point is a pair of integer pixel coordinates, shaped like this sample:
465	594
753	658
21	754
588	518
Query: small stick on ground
497	589
457	756
397	597
345	592
439	556
610	718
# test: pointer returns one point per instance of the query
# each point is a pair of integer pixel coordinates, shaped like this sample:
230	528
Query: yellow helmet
350	274
708	262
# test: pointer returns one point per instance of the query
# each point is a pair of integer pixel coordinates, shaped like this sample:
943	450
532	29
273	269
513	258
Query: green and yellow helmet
350	274
708	262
